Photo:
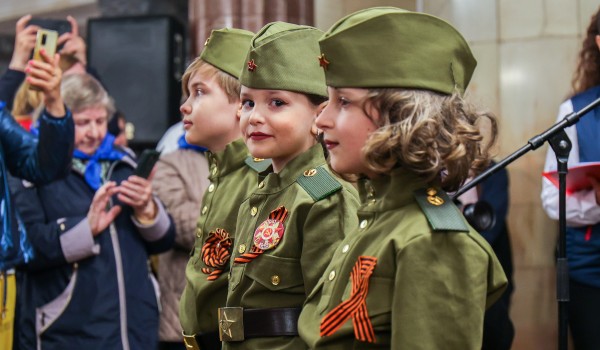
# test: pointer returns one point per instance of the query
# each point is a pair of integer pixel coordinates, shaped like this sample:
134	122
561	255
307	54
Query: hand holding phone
146	163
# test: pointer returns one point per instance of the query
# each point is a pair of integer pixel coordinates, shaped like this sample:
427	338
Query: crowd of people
304	201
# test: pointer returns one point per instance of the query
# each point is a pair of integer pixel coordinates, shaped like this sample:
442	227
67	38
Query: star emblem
226	324
251	65
323	62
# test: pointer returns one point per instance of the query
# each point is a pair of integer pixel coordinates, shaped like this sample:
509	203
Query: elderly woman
89	286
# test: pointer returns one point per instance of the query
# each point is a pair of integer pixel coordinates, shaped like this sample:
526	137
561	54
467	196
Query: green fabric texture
226	49
390	47
319	185
283	56
442	217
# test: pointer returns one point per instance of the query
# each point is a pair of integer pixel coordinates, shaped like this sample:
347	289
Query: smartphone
45	39
146	163
61	26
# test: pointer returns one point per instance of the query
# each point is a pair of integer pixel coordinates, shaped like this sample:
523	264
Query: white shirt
582	209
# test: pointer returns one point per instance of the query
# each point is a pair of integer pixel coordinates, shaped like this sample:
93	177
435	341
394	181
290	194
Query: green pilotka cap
282	56
390	47
226	49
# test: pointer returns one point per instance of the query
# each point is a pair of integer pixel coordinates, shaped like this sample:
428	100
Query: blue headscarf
93	169
184	145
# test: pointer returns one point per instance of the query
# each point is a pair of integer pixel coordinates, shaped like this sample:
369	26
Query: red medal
267	236
269	232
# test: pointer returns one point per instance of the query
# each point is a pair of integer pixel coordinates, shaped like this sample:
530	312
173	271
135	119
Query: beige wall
526	53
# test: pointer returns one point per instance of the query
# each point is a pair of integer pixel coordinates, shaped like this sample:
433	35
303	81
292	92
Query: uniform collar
389	191
310	159
228	160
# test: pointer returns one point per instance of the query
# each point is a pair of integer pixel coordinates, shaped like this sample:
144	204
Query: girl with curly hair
400	123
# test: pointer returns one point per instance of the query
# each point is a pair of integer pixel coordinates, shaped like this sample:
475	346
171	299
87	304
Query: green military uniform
232	176
429	287
292	222
231	182
320	209
413	275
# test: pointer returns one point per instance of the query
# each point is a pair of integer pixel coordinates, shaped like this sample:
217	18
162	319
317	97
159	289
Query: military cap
390	47
226	49
282	56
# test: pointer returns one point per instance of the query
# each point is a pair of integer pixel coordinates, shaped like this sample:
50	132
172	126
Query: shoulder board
258	164
319	183
440	211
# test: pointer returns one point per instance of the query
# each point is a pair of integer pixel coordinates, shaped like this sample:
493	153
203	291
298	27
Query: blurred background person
89	285
582	207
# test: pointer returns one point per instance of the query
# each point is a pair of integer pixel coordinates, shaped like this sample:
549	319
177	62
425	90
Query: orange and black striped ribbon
279	214
215	253
355	307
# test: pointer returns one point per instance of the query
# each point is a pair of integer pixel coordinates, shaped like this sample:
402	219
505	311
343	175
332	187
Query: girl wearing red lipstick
292	222
413	266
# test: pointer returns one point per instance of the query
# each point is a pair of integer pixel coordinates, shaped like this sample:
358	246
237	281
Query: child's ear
321	107
238	114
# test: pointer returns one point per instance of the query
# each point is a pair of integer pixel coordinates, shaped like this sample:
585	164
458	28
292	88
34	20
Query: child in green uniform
413	275
210	120
288	227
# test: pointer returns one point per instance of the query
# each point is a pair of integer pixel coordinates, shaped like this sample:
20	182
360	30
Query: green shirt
231	181
317	220
429	289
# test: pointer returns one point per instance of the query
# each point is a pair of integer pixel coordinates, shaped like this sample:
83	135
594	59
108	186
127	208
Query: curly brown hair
436	136
587	74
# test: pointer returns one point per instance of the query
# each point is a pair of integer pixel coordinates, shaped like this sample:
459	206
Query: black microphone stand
560	143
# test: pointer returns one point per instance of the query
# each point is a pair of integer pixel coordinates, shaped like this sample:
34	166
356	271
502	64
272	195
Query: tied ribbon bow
183	144
355	307
93	169
268	234
215	253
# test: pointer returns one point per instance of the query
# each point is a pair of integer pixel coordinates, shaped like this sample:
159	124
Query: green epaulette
319	183
258	164
440	211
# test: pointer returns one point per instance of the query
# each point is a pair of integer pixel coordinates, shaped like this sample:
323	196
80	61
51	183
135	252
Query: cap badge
251	65
323	62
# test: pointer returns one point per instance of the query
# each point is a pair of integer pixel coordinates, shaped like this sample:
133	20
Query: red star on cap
323	61
251	65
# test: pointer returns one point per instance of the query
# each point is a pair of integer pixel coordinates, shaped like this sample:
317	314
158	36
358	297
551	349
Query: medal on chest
266	236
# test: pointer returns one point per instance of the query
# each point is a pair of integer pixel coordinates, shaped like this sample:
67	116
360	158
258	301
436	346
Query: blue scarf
184	145
93	169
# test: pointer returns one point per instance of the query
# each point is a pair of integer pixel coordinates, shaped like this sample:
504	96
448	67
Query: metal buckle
190	342
231	324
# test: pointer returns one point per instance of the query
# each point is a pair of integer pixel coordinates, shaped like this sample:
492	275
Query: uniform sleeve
582	209
63	241
440	291
326	225
39	161
182	195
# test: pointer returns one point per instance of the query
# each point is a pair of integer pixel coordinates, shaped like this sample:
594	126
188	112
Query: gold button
311	172
275	280
242	248
214	171
345	248
62	227
258	159
363	224
253	211
204	209
199	232
261	184
211	187
332	275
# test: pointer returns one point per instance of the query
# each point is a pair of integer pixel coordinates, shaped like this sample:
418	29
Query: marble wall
526	52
